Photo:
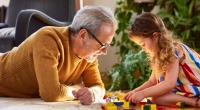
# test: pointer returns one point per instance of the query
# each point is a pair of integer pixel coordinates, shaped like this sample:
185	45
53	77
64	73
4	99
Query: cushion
7	39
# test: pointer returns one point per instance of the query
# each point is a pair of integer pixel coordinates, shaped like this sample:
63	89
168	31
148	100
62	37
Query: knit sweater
44	65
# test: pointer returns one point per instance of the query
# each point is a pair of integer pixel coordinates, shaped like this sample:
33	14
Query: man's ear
82	34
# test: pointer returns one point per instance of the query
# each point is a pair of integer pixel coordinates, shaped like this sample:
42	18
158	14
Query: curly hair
144	25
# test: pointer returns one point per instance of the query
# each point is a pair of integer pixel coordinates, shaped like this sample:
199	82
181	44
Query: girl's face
147	43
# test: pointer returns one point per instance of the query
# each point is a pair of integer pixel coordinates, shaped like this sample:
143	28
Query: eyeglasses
103	46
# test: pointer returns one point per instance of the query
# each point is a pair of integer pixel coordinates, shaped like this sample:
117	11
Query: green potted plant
183	18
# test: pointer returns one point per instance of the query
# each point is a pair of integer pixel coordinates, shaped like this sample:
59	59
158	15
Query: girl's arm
168	84
149	83
152	81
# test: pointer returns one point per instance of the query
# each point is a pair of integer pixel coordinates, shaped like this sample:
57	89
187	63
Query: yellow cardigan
43	65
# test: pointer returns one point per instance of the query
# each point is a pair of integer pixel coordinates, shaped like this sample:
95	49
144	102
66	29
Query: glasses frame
103	46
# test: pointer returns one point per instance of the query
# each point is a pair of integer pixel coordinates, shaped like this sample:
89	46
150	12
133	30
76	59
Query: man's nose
104	51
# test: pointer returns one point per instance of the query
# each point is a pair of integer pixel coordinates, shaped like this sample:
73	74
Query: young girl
175	67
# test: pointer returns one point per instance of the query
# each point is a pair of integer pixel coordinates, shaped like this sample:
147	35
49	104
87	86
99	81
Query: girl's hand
136	97
129	94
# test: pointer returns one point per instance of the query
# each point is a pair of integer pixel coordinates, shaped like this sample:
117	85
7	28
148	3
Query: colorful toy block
110	106
149	107
113	102
179	105
125	105
118	103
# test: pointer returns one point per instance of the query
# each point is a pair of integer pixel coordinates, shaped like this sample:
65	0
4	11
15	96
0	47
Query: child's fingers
133	100
125	97
130	98
128	95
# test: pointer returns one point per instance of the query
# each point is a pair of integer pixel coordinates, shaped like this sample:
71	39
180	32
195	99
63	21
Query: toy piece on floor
149	107
147	104
149	101
114	102
146	101
179	105
120	95
109	106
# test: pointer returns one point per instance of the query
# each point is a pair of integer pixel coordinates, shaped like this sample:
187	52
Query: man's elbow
52	97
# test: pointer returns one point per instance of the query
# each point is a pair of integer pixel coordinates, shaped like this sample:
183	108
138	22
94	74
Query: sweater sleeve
46	60
92	79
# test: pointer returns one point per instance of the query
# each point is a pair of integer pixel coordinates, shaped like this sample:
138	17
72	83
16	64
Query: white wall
108	3
105	62
4	2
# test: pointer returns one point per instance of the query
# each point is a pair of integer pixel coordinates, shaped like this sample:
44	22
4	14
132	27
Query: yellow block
126	105
153	107
120	95
109	104
110	107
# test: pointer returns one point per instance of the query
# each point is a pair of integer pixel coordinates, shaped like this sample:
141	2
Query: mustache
91	59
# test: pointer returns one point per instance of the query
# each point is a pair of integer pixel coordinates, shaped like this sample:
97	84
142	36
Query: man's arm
92	80
45	58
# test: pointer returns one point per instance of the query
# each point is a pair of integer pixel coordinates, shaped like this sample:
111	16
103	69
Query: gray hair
92	17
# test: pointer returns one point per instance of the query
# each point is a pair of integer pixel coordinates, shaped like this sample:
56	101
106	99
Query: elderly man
52	59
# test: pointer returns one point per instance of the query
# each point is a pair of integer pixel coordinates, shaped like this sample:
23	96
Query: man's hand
85	95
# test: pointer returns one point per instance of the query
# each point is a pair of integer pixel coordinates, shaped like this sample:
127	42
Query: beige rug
38	104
